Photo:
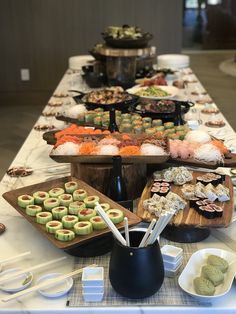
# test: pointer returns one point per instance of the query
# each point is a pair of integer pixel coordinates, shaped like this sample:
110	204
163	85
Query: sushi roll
116	215
146	125
90	201
98	223
64	235
150	131
71	186
83	227
218	210
155	190
43	217
125	116
173	136
40	197
138	129
86	213
79	195
135	116
156	122
126	121
69	221
147	120
53	225
65	199
59	212
50	203
207	211
222	193
127	128
137	122
55	192
166	184
193	202
157	184
105	206
75	206
89	116
169	125
164	190
32	210
180	128
24	200
97	121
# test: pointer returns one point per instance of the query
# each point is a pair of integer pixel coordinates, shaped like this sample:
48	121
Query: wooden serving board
189	217
11	198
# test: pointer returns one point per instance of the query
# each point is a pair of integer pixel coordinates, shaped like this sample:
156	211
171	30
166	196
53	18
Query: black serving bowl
127	43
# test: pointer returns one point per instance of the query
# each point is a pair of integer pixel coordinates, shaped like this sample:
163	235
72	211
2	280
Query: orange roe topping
87	148
129	150
220	146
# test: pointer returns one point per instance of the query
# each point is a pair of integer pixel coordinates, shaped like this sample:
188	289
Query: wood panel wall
42	34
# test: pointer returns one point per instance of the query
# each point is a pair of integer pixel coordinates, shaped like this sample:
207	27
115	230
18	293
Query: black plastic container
136	272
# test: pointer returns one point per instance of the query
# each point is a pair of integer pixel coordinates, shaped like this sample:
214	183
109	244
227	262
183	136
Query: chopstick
20	272
45	284
147	233
110	224
14	257
126	231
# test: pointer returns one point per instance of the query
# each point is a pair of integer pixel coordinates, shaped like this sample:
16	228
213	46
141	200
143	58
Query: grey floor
16	121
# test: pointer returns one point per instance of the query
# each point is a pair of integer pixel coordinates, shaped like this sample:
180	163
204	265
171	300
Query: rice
75	111
108	150
67	148
151	149
198	136
208	152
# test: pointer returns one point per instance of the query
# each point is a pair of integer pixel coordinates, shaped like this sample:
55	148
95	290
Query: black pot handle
76	91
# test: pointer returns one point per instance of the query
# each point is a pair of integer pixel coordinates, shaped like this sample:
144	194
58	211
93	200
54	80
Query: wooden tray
76	121
189	217
11	198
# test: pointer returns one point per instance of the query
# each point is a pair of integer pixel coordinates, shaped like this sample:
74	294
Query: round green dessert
83	227
32	210
116	215
69	221
79	195
65	199
98	223
213	274
147	120
43	217
40	197
71	186
75	206
53	225
64	235
157	122
160	128
169	125
126	127
147	125
91	201
86	213
59	212
50	203
203	286
150	131
217	261
138	129
55	192
24	200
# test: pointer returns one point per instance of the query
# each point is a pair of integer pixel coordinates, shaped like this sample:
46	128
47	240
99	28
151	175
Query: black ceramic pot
136	272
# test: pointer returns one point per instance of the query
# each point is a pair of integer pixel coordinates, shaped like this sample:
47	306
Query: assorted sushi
160	187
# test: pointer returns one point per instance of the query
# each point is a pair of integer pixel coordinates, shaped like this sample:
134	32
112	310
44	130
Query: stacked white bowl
172	259
93	284
76	62
175	61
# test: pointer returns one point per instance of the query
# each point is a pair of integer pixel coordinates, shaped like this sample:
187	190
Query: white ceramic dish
193	269
93	276
172	272
93	297
57	289
18	283
173	265
93	289
171	90
171	253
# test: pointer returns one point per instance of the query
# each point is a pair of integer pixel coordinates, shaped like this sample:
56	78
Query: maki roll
53	225
160	128
86	213
98	223
55	192
64	235
71	186
127	127
146	125
50	203
218	210
83	227
32	210
164	190
75	206
155	190
157	122
147	120
40	197
97	121
150	131
193	202
43	217
65	199
138	129
91	201
169	125
116	215
59	212
69	221
207	211
79	195
24	200
105	206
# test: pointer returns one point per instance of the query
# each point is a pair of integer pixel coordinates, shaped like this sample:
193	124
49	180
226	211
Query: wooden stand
98	176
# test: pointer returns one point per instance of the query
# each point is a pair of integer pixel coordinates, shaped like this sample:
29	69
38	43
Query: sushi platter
190	217
78	240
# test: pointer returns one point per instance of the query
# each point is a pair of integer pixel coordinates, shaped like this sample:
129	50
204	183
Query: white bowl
171	253
173	265
193	270
173	61
57	289
171	90
93	297
93	289
17	283
93	276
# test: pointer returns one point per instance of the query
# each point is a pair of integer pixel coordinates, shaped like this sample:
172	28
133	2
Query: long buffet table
20	236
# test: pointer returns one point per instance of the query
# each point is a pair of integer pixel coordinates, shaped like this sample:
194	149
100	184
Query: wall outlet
25	74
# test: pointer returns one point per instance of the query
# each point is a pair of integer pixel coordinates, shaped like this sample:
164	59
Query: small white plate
17	283
93	276
55	290
171	90
193	270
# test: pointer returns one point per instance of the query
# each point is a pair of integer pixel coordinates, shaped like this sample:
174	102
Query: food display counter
20	236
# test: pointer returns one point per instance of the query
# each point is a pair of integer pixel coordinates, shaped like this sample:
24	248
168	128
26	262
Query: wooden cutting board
189	216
